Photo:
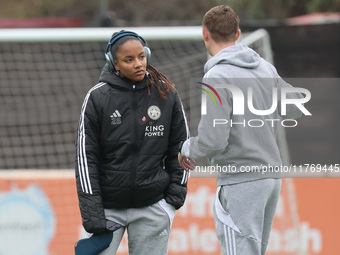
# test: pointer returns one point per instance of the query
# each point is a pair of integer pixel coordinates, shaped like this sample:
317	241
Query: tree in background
280	9
151	12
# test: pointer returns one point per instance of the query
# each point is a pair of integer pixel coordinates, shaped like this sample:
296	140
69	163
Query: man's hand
186	163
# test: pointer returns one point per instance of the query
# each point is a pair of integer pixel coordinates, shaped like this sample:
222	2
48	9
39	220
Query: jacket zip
134	145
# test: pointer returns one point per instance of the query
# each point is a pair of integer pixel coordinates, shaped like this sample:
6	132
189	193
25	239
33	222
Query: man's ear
205	33
238	33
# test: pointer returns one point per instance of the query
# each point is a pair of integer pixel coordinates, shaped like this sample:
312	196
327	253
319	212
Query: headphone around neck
108	56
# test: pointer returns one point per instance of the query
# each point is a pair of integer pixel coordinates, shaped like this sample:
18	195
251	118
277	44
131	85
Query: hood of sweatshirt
237	55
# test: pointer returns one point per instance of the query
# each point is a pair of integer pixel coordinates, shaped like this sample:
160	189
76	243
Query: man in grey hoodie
240	139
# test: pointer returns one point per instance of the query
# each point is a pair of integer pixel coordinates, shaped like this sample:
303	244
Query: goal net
46	73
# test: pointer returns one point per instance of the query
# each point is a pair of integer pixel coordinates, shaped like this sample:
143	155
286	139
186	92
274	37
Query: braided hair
156	78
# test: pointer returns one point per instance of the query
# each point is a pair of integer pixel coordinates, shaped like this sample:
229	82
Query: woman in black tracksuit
131	126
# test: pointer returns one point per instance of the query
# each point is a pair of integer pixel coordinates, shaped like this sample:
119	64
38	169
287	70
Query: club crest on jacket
154	112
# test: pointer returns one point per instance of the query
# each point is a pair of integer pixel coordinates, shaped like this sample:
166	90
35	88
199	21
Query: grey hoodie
241	146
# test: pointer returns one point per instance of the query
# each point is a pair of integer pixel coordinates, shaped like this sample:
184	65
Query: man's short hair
222	22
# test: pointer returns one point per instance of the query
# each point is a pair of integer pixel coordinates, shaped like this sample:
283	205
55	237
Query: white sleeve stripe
80	156
185	120
81	150
79	172
185	177
185	173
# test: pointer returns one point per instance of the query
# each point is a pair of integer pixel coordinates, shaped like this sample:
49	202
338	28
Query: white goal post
102	34
97	34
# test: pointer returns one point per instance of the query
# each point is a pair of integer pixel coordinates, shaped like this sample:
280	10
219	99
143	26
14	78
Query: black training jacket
127	149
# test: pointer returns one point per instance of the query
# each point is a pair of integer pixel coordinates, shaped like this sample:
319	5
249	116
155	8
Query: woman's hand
186	163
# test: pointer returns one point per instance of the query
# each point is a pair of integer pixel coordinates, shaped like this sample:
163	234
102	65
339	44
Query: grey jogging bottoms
148	228
244	214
